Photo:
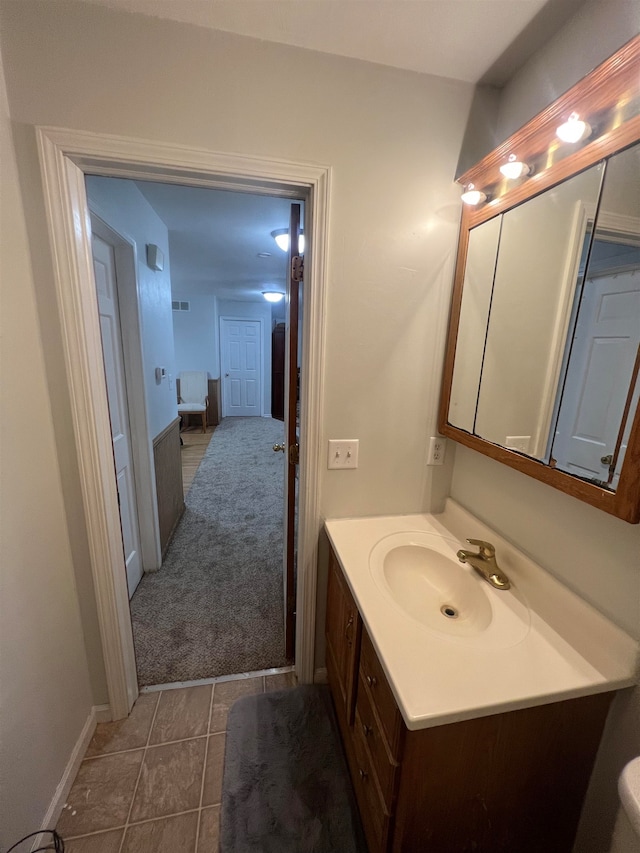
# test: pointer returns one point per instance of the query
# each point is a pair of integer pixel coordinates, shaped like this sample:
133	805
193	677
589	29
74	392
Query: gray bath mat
286	785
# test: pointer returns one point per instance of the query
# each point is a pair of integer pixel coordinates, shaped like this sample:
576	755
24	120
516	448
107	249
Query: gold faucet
484	562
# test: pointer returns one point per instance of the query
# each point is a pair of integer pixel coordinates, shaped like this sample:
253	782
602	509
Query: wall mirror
543	354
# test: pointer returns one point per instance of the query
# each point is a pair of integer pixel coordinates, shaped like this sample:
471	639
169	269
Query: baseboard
70	772
320	675
103	713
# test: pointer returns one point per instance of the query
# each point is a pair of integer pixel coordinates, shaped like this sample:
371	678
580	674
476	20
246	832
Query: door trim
65	157
131	336
230	318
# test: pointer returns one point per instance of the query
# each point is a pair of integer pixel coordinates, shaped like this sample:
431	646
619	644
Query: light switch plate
343	453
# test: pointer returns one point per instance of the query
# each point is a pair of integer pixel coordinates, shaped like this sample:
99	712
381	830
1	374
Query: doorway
66	156
216	605
592	426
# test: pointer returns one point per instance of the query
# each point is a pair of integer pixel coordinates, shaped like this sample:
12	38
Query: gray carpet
216	605
286	786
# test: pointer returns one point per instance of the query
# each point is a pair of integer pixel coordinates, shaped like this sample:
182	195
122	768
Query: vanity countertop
570	649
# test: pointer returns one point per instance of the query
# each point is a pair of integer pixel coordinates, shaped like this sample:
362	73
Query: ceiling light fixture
514	168
273	295
573	129
472	196
281	236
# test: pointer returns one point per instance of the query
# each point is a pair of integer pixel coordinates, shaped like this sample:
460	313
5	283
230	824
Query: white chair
193	399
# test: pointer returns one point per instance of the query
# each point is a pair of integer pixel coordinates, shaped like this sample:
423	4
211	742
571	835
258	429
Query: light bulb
514	168
281	236
574	129
273	295
472	196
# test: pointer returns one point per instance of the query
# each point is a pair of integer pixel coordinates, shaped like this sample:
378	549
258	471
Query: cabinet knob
366	729
371	680
363	774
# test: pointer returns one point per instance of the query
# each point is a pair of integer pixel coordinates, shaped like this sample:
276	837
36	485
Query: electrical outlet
437	445
343	453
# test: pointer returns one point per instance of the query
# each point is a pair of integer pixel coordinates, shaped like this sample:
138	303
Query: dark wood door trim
292	429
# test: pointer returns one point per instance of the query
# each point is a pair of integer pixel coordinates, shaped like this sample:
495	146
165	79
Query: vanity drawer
381	696
385	765
375	815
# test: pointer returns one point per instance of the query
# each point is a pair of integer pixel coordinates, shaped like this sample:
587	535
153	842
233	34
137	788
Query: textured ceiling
215	238
467	40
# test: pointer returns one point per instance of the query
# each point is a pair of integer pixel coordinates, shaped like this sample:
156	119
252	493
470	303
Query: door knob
278	447
607	460
226	374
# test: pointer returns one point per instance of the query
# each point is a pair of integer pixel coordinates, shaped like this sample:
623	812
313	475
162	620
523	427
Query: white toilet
626	833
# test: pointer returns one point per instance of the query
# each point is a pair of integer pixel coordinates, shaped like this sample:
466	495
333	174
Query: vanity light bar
573	130
599	110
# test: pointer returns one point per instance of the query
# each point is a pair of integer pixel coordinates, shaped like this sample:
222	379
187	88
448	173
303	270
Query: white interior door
604	351
241	363
106	287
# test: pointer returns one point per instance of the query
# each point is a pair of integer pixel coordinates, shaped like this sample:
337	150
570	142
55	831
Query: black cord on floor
56	844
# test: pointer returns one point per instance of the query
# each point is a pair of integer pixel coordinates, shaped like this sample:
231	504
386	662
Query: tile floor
153	783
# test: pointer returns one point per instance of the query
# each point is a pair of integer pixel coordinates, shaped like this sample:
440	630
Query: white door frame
124	248
65	157
231	318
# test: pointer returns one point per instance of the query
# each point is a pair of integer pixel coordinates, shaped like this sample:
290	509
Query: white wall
122	206
278	313
235	310
595	32
45	695
195	334
392	139
593	553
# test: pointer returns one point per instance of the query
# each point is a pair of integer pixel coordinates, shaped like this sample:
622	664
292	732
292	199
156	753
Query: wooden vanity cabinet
343	632
512	782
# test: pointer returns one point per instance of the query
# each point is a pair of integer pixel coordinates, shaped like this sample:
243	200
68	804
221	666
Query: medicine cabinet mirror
543	354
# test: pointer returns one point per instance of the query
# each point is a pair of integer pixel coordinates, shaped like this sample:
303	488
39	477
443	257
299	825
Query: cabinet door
343	630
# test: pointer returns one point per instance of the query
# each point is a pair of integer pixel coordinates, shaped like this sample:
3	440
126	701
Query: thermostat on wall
155	257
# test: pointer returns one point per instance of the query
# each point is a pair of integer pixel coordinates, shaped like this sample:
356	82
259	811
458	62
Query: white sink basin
420	573
506	649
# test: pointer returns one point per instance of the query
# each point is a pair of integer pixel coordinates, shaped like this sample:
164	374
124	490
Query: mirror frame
609	99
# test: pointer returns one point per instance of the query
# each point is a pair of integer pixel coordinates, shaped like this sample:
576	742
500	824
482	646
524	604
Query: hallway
216	605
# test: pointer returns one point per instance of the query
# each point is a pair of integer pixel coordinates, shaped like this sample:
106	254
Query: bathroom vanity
471	733
470	715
